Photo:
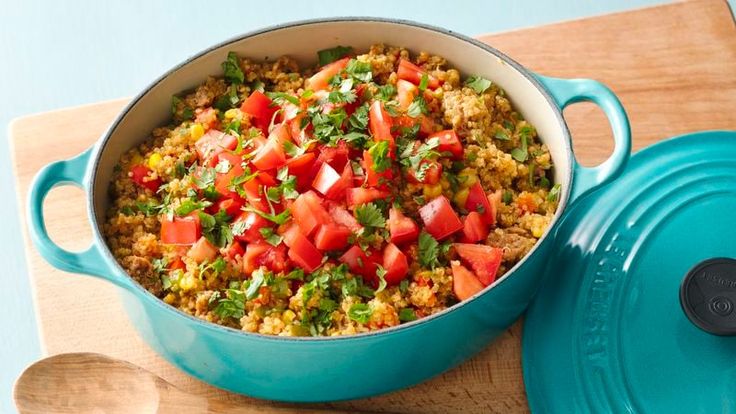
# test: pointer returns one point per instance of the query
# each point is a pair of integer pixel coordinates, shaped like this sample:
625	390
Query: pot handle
570	91
91	261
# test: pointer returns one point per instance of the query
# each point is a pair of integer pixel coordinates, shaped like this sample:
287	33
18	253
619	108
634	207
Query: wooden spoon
95	383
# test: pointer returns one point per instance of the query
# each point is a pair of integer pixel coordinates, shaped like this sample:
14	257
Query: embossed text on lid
708	295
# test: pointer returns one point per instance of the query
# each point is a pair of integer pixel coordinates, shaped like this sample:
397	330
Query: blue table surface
58	54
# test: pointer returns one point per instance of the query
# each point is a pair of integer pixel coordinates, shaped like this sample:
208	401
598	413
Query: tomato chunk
426	124
379	123
251	224
263	254
180	230
432	172
343	217
321	79
414	73
449	143
484	260
261	109
359	195
309	213
272	155
406	92
140	175
331	237
478	201
402	229
464	282
475	228
234	250
372	177
304	254
336	156
202	251
331	184
360	263
213	143
439	218
224	180
395	264
231	206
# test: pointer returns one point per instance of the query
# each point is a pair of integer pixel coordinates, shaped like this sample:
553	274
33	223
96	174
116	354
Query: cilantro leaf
279	219
407	315
282	98
360	312
231	68
380	156
270	237
189	205
186	112
254	284
522	153
554	193
232	306
502	135
369	215
385	92
428	250
478	83
326	56
418	107
508	197
216	228
423	82
360	71
359	119
381	274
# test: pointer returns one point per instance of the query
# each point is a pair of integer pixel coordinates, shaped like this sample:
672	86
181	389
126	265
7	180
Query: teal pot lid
637	306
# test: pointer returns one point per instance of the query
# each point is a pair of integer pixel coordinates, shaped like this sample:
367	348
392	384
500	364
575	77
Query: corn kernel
231	113
196	131
187	283
537	231
289	316
467	177
154	160
432	191
136	159
461	197
445	184
169	298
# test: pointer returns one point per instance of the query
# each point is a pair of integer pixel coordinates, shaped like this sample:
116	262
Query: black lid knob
708	296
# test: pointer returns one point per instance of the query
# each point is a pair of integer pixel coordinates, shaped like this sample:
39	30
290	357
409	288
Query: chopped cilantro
282	98
206	178
380	156
478	84
360	71
359	119
407	315
127	211
428	250
257	279
404	285
186	112
360	312
554	193
418	107
231	68
381	274
279	219
326	56
369	215
385	92
521	154
227	100
223	166
189	205
216	228
423	82
507	197
502	135
270	237
232	306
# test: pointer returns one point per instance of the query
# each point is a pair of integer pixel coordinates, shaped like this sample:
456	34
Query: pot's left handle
569	91
91	261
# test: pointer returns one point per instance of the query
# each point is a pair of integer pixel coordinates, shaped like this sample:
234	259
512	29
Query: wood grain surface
672	66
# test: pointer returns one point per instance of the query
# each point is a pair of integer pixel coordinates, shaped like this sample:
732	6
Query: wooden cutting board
673	66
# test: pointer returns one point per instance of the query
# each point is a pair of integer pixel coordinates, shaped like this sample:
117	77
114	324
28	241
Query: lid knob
708	295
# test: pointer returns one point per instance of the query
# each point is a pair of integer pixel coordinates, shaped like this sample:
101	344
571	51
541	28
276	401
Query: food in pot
377	189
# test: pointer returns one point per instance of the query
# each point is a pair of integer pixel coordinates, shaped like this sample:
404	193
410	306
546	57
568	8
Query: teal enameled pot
335	368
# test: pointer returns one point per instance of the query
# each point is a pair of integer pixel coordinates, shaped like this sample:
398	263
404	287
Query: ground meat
141	270
205	94
514	242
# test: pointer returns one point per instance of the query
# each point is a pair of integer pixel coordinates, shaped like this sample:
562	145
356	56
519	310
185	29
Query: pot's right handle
91	261
569	91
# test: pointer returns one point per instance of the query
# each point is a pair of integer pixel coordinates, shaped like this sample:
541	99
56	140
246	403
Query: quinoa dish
368	190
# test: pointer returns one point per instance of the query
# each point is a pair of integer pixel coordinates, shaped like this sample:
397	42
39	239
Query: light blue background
57	54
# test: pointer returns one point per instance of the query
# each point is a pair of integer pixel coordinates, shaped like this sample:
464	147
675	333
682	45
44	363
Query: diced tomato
140	175
439	218
432	173
290	232
298	134
362	264
359	195
326	178
231	206
202	251
252	223
177	264
475	228
395	263
494	200
402	229
336	156
464	282
414	73
254	195
331	237
304	254
484	260
207	117
263	254
478	201
300	167
261	109
223	181
212	143
266	179
406	92
234	250
181	230
372	177
272	155
343	217
321	79
449	142
379	123
309	213
289	111
426	124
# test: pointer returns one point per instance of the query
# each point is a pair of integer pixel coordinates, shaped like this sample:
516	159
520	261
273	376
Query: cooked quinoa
361	193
